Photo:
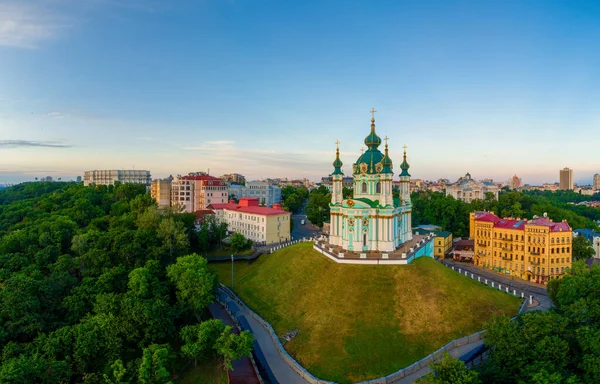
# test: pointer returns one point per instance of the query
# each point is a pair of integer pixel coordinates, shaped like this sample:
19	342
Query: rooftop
519	224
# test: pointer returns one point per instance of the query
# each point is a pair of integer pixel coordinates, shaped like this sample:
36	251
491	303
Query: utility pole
232	271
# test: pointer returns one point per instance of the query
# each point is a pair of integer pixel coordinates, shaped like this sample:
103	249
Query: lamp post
232	271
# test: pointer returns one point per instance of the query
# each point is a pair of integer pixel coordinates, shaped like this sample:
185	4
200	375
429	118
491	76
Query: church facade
372	220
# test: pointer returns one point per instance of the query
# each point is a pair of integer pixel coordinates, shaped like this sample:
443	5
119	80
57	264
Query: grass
209	371
360	322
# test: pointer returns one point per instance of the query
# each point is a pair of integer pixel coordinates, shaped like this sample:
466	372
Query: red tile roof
265	211
201	213
520	224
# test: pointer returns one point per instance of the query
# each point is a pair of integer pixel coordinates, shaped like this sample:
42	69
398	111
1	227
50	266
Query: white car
302	222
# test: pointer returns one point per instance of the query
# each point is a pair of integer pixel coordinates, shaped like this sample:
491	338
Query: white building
109	177
372	220
266	193
466	189
196	192
596	182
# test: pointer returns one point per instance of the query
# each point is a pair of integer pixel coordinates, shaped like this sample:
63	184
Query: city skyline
265	89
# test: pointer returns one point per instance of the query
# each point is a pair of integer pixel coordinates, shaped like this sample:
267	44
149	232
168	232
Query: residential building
233	178
347	181
467	189
160	190
536	250
110	176
79	179
463	249
442	244
566	179
259	224
592	236
515	182
266	193
596	182
196	192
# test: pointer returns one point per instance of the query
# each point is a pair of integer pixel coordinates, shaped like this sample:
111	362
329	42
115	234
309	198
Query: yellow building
536	250
160	190
259	224
442	244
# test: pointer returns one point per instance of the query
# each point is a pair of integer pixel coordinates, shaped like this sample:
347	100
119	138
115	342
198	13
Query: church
372	220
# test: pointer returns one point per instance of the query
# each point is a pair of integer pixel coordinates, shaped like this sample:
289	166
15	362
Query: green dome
386	162
372	141
404	166
337	163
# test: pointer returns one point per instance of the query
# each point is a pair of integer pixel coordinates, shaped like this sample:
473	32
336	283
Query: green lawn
360	322
207	372
227	251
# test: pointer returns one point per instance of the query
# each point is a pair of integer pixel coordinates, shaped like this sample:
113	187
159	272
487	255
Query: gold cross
362	150
405	147
373	112
386	139
337	143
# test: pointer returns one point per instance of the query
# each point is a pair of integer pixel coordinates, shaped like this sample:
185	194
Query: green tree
232	347
172	233
194	282
200	338
117	374
239	242
582	249
153	369
449	371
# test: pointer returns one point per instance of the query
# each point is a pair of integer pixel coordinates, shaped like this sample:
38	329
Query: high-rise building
596	182
537	250
110	176
566	179
196	192
160	190
516	182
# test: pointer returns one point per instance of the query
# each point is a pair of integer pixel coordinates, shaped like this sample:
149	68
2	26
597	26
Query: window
378	187
364	187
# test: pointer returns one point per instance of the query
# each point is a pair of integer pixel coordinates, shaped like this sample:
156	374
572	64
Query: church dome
371	161
404	166
337	163
386	161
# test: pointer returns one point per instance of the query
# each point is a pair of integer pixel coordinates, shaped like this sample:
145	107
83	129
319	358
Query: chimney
277	206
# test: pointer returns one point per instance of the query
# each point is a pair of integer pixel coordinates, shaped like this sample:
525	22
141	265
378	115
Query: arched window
364	187
378	187
365	240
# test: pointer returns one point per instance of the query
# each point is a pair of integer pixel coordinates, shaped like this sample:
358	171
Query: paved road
538	291
306	230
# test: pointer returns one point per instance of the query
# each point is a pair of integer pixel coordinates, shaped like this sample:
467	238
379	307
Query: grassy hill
360	322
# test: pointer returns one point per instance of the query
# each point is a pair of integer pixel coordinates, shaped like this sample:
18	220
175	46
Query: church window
378	187
364	187
365	240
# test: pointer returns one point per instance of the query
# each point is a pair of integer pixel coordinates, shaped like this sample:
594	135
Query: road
538	291
306	230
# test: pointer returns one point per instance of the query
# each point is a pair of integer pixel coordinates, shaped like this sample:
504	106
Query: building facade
566	179
536	250
110	176
467	189
196	192
596	182
234	178
259	224
442	244
160	190
266	193
372	220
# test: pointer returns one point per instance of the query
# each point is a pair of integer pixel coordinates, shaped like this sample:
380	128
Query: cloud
31	143
28	25
56	115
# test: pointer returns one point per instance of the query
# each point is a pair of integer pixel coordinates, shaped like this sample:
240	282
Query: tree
239	242
172	233
194	282
449	371
201	338
118	373
232	347
582	249
153	369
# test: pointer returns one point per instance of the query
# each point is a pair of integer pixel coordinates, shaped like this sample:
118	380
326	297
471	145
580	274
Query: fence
288	243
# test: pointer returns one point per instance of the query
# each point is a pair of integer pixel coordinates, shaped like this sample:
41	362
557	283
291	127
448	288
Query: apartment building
266	193
196	192
160	190
259	224
536	250
110	176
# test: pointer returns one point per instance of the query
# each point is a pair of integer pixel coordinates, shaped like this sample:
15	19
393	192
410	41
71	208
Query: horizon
266	89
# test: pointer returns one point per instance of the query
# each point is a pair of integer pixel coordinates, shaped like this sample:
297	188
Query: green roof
442	234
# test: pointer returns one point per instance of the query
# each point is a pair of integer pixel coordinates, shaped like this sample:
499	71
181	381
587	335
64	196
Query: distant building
347	181
109	177
160	190
259	224
597	182
536	250
466	189
233	178
79	179
592	236
516	182
566	179
442	244
196	192
266	194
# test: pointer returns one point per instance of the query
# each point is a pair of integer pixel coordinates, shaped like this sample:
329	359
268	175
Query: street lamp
232	271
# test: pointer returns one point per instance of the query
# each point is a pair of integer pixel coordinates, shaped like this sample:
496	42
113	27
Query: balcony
482	244
535	253
534	262
508	258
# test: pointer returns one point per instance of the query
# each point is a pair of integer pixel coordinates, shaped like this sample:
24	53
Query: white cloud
27	25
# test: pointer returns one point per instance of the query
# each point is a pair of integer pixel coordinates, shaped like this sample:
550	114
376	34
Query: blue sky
265	88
